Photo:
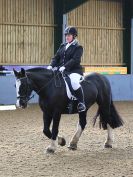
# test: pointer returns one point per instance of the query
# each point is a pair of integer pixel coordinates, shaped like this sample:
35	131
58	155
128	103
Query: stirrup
81	107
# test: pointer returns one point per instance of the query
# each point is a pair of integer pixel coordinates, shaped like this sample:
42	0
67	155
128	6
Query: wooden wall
26	31
100	27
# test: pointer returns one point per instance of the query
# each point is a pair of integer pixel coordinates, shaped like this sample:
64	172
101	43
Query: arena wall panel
122	88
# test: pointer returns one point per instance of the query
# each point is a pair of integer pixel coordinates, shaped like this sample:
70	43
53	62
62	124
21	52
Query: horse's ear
23	72
15	72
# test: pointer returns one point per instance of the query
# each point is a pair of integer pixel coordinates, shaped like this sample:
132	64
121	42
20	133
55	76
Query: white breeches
75	80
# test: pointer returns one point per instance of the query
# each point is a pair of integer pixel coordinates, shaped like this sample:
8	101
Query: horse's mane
38	69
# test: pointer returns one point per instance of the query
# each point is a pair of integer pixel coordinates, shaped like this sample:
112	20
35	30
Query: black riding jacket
69	58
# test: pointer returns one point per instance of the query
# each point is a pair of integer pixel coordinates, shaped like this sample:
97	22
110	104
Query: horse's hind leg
80	128
109	141
105	114
104	122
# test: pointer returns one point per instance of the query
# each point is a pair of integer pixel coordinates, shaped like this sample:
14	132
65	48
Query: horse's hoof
61	141
72	147
108	146
50	151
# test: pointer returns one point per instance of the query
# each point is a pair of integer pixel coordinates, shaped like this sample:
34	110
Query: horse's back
99	80
101	84
95	76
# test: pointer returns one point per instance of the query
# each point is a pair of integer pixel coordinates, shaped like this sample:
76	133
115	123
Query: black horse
53	101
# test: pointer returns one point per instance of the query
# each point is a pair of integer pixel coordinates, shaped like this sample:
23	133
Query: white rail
6	72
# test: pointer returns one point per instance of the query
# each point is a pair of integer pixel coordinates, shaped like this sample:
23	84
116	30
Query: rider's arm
55	60
76	59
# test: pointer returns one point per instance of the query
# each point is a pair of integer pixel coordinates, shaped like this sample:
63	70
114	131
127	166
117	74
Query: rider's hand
49	67
54	69
62	69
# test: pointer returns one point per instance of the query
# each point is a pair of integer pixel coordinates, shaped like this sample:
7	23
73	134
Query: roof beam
72	4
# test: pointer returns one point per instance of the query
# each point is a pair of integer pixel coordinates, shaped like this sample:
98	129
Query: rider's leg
75	81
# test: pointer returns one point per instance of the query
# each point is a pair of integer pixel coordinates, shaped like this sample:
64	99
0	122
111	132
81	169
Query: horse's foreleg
47	121
56	119
80	128
109	141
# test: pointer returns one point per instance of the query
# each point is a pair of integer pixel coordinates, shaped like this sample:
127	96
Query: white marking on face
18	83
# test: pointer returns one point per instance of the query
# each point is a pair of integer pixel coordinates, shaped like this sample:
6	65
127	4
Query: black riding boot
80	97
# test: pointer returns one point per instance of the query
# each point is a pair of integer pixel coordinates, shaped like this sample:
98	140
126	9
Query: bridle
27	98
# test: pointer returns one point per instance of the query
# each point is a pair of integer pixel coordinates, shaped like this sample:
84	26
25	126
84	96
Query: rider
68	57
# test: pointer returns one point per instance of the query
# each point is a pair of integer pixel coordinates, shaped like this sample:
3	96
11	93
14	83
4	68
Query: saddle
69	90
58	83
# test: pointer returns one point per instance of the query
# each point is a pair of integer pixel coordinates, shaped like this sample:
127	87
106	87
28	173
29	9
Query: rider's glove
49	67
62	69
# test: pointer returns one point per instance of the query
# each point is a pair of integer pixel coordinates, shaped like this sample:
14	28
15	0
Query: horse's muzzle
21	104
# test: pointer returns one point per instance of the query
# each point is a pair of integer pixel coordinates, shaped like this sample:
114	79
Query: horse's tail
106	116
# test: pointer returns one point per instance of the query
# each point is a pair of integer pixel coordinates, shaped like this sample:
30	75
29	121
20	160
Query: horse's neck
39	81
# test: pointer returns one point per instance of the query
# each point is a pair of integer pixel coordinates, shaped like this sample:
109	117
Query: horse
50	87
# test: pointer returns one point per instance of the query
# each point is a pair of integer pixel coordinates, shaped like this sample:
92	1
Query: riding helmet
71	30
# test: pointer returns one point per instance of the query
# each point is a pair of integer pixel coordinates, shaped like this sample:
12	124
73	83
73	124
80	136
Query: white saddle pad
69	94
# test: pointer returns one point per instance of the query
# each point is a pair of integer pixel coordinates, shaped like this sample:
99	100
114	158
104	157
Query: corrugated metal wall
100	27
26	31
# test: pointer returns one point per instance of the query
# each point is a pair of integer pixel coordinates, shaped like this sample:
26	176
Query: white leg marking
110	137
77	135
52	147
